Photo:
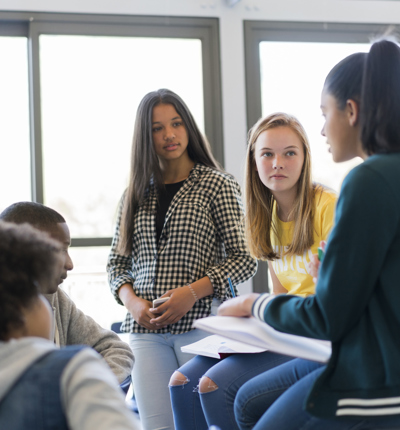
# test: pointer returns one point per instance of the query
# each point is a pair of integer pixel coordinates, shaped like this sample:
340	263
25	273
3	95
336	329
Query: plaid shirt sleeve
227	212
119	267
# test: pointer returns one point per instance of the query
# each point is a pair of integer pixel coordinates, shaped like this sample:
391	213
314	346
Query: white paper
214	345
262	335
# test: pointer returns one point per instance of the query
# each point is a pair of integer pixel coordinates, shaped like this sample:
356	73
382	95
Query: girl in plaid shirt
178	235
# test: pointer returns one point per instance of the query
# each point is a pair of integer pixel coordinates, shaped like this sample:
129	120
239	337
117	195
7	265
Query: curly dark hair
28	259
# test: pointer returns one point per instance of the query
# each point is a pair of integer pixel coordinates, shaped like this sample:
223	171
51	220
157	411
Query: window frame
256	32
32	25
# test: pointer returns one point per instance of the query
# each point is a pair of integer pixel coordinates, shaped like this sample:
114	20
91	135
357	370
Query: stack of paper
259	334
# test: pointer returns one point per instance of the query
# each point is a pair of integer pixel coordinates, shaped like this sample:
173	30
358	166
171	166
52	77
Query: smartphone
160	301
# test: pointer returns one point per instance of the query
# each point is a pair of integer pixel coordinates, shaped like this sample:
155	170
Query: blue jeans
274	401
157	356
199	411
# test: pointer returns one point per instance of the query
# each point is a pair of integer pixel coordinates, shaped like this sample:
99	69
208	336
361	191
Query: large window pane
292	77
90	89
87	286
15	176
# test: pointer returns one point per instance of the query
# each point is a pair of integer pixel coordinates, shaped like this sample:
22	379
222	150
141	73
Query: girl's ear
352	111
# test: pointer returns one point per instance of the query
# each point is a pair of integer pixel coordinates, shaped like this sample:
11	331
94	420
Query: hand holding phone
160	301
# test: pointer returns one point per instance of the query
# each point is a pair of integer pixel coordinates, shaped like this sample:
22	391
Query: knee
177	379
207	385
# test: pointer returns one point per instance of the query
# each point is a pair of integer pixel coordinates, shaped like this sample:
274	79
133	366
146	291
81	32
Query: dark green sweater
357	300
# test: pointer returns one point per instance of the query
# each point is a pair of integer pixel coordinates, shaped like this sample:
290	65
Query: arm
227	213
367	218
119	267
80	329
277	287
91	396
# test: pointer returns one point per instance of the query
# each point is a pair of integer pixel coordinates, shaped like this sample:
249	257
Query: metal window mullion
35	118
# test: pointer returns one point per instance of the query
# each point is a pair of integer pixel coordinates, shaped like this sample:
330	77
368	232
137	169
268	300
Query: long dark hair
144	161
373	81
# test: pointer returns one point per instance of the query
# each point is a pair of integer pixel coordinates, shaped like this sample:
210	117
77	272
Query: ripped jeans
199	411
157	355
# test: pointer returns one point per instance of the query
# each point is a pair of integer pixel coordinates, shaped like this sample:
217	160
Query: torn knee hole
178	379
207	385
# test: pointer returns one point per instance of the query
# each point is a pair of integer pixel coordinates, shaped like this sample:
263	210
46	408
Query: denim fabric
198	411
275	399
34	403
157	356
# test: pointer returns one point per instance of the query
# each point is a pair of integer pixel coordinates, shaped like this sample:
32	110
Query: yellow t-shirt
292	270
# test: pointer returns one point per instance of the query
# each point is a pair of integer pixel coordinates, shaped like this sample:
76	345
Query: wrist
193	292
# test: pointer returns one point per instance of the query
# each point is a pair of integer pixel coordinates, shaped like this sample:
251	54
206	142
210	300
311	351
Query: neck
284	204
176	170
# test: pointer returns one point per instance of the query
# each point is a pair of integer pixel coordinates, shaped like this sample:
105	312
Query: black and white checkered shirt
202	236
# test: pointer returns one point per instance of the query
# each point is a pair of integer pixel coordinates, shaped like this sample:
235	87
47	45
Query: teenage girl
178	235
357	300
286	218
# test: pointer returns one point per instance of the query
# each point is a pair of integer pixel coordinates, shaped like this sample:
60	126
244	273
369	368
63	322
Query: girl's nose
277	164
169	134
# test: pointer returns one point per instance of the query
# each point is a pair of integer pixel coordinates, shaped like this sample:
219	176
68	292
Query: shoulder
61	299
324	196
208	175
377	173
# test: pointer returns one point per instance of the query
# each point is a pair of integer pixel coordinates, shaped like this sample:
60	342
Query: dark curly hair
28	259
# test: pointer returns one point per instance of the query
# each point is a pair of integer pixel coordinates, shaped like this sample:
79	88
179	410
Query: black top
164	200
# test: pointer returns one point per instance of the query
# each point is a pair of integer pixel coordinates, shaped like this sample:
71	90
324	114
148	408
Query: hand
180	303
239	306
141	313
313	265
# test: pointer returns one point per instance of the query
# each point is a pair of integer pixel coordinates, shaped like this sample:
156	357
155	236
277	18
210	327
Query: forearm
127	294
202	288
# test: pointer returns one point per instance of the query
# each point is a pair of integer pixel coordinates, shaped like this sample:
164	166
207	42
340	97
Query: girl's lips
171	147
278	177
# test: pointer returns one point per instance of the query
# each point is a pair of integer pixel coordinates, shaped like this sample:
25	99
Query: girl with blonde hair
286	218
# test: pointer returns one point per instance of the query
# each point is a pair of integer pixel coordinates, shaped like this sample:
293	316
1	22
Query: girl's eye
177	124
267	154
155	129
291	153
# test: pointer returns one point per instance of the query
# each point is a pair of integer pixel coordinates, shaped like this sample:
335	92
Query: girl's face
279	157
341	128
170	137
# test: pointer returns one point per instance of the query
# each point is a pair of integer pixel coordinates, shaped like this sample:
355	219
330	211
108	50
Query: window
286	65
14	130
87	75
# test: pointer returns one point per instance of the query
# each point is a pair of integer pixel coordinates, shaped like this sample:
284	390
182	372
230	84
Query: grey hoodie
90	393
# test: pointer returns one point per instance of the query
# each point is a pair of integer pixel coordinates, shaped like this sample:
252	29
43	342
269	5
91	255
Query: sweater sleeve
80	329
228	217
366	219
91	396
119	267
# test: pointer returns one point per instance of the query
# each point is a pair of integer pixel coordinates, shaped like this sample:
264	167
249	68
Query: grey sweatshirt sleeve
91	396
76	328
